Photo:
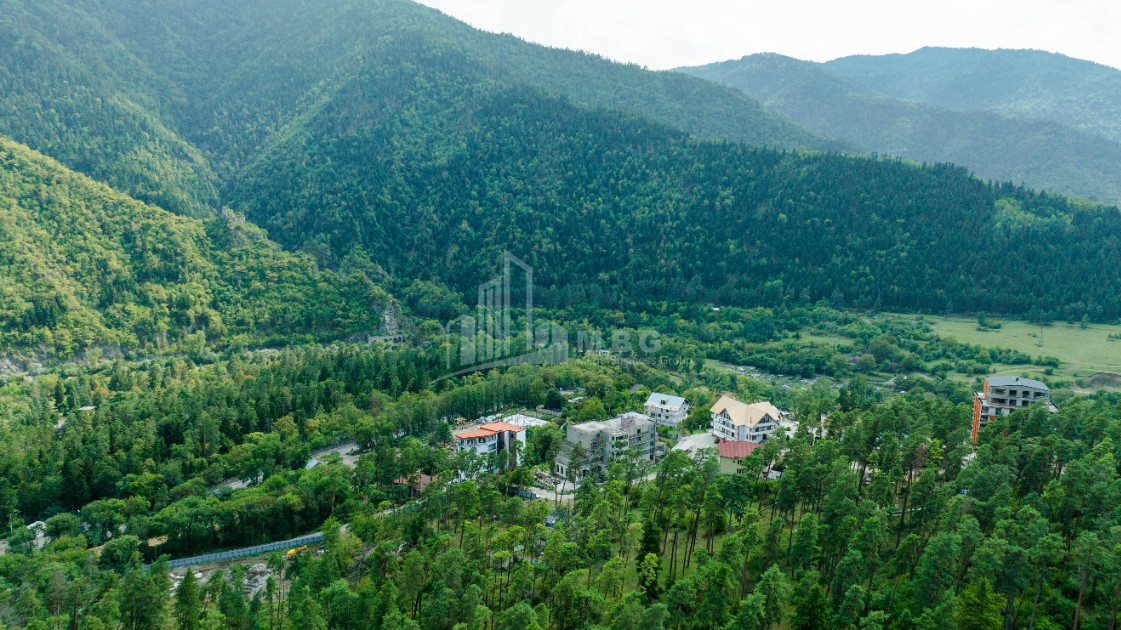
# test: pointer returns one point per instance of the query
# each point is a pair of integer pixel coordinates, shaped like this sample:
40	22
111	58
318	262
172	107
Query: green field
1083	351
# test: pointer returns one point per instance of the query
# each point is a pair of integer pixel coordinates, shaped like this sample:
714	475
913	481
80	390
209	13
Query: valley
528	339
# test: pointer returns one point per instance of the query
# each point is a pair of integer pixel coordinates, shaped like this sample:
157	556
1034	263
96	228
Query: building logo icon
489	339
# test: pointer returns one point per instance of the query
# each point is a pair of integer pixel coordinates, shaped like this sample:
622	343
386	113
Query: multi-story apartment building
604	440
489	438
666	410
1002	395
735	421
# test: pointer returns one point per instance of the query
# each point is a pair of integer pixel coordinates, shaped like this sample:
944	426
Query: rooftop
736	450
743	414
422	482
618	423
1012	381
665	401
489	429
474	433
502	426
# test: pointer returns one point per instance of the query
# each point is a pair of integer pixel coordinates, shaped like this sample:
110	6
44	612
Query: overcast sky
669	33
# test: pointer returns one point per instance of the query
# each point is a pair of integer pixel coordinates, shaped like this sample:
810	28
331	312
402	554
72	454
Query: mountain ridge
1029	84
1042	154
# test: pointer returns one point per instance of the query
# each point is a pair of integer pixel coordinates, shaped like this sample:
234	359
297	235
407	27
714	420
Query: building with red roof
736	450
489	438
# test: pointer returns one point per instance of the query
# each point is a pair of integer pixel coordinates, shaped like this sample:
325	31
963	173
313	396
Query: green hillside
71	90
456	168
1019	83
166	101
84	266
388	133
1040	153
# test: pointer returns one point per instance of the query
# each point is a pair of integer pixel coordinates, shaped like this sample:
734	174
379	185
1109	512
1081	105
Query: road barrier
245	551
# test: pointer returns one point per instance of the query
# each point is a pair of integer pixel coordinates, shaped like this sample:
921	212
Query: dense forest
167	101
208	208
1026	84
888	518
390	134
84	267
593	196
1042	154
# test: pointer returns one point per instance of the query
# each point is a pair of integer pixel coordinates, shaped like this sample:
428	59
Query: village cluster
737	428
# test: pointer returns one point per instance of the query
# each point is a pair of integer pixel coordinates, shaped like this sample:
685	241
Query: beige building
735	421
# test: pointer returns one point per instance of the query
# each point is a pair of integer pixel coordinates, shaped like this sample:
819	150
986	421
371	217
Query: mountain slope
69	89
1019	83
166	101
1042	154
433	169
85	266
386	133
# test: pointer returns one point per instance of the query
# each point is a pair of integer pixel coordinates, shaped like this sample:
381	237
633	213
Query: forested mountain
166	101
466	168
1019	83
71	90
84	266
388	133
1040	153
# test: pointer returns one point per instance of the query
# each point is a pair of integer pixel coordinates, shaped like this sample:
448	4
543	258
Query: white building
666	410
491	437
735	421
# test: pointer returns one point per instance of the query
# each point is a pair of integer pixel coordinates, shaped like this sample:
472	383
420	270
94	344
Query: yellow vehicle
292	552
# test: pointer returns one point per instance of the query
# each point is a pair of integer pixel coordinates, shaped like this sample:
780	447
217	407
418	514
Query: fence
245	551
525	494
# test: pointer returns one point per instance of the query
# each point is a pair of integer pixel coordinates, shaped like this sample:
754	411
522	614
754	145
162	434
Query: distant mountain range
393	144
1045	120
1025	84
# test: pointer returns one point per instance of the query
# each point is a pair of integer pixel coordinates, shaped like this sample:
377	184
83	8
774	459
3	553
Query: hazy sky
668	33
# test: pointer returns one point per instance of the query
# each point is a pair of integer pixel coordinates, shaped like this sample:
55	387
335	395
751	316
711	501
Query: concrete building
605	440
735	421
488	438
1002	395
666	410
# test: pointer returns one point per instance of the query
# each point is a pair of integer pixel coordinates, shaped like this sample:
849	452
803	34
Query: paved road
348	451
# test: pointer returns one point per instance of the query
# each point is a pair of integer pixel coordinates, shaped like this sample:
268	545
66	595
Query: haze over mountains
1046	120
394	144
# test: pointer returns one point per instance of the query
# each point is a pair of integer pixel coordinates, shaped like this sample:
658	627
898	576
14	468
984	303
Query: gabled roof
736	450
746	415
666	401
489	429
1012	381
475	433
422	482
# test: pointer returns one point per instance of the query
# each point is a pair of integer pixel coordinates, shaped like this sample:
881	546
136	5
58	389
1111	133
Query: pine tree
188	607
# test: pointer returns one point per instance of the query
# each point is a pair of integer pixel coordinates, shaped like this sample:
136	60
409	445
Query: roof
489	429
474	433
422	482
746	415
666	401
736	450
524	421
312	463
1006	381
619	423
501	426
